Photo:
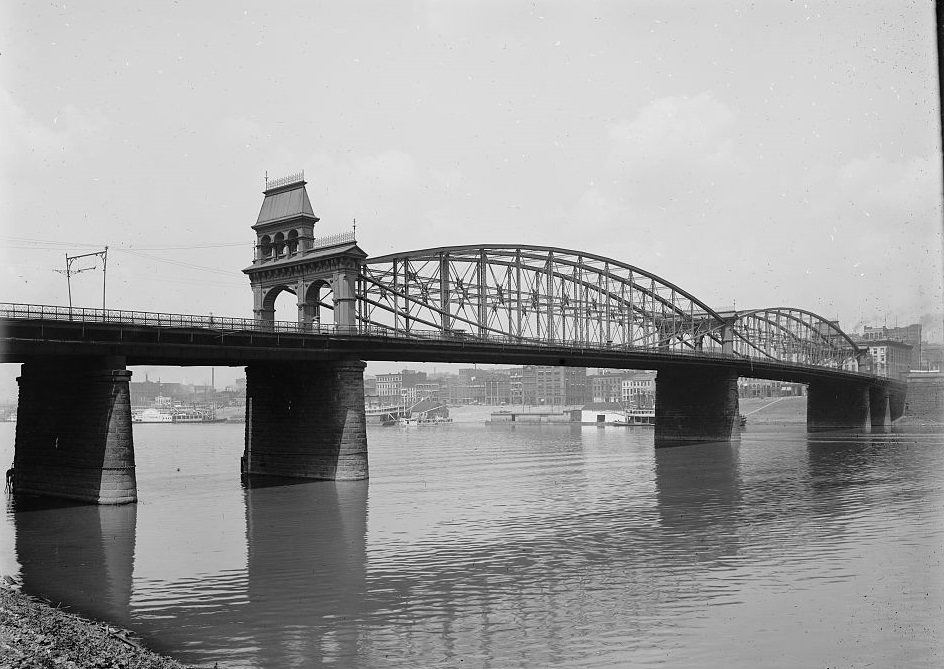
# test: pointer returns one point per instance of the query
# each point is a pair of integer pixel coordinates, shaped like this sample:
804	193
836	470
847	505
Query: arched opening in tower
319	305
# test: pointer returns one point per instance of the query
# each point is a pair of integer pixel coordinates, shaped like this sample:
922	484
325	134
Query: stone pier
840	405
73	431
879	408
306	420
696	405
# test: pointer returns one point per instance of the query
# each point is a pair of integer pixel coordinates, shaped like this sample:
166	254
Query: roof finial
355	227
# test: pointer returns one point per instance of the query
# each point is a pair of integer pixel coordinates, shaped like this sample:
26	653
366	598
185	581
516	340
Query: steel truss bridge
489	303
545	296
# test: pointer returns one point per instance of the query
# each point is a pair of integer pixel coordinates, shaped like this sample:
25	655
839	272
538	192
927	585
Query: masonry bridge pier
490	303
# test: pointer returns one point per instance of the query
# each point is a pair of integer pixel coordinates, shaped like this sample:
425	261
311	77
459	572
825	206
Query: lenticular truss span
551	295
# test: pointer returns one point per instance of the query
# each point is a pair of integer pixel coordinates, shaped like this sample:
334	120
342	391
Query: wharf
530	417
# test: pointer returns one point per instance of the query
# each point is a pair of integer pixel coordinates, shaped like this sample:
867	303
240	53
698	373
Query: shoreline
34	632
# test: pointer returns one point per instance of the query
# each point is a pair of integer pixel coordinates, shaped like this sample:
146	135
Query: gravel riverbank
34	633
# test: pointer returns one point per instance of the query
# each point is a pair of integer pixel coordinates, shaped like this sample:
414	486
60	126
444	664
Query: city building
909	334
482	386
890	358
431	390
606	386
370	386
399	386
515	392
638	390
553	386
932	356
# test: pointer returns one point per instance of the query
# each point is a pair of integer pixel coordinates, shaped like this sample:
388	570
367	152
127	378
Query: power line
193	282
178	263
30	242
134	251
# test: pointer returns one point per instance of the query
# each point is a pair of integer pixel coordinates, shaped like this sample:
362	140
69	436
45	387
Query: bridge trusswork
490	303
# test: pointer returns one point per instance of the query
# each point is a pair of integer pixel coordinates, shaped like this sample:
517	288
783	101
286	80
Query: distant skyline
769	154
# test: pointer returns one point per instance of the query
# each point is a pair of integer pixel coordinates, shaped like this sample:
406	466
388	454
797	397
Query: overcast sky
757	154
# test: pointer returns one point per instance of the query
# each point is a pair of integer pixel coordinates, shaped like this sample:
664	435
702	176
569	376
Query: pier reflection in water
524	546
77	554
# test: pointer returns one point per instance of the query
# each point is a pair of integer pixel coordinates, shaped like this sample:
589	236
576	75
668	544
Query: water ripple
520	546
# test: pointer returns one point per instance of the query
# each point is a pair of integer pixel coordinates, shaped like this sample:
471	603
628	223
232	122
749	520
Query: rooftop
285	199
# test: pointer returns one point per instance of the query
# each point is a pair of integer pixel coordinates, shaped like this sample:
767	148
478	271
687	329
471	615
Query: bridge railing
229	325
149	319
223	325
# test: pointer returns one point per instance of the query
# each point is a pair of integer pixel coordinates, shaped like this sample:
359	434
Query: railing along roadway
227	324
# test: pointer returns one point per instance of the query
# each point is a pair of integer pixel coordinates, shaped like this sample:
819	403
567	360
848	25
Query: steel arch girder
605	278
812	326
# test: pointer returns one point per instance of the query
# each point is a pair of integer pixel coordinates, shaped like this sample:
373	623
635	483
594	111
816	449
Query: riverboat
194	416
433	422
640	417
152	415
423	422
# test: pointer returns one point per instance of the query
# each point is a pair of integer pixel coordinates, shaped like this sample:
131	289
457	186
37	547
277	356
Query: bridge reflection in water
534	546
306	567
80	555
305	595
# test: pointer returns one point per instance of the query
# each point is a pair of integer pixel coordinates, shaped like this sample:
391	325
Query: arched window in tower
293	242
265	248
279	243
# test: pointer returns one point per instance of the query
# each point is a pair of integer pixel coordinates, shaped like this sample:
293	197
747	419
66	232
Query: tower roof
285	199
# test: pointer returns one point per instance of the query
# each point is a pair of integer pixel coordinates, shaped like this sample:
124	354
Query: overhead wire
32	243
29	241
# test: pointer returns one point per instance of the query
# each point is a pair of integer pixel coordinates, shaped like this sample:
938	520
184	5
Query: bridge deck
144	338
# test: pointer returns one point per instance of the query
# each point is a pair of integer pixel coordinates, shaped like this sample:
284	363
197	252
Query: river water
514	546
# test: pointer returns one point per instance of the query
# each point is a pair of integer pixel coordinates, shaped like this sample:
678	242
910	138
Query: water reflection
78	554
698	489
306	570
524	546
304	574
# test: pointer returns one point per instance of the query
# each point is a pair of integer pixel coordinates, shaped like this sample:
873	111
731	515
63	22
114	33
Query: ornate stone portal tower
304	419
289	257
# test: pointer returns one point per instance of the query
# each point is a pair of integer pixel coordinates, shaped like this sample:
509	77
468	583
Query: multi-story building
909	334
469	387
515	392
447	385
932	356
890	358
370	391
482	386
431	390
606	387
638	390
554	386
391	387
497	387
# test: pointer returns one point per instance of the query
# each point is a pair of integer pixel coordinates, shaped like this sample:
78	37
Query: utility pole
68	271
